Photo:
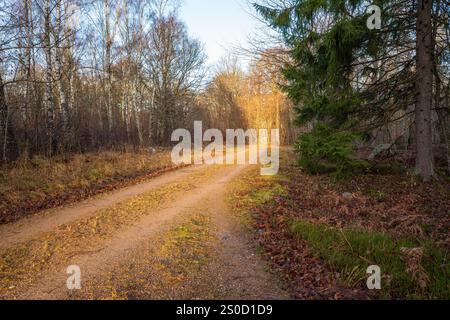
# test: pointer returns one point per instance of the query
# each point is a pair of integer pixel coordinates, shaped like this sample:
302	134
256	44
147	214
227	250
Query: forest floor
226	232
321	235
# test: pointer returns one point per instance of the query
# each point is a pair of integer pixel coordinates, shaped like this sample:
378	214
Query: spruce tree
348	79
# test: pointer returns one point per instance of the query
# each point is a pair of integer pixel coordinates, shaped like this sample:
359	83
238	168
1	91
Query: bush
325	150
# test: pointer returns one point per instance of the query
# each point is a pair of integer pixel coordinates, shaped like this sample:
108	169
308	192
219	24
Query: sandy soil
181	244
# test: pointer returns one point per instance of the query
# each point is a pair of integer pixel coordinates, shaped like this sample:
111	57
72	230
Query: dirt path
26	228
170	238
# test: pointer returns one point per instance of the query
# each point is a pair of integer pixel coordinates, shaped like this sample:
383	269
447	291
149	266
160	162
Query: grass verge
352	251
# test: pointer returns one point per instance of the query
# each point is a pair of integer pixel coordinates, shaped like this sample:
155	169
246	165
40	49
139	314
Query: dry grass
21	264
31	185
168	266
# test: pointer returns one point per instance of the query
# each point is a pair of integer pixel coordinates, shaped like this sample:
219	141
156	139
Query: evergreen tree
348	78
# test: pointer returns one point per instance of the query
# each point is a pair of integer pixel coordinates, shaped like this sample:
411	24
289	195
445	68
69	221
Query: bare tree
175	68
49	101
71	85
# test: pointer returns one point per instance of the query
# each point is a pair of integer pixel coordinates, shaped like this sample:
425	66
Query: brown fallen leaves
309	276
413	259
392	203
389	203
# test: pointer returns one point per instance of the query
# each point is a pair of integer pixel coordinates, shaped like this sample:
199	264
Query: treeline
80	75
355	82
250	99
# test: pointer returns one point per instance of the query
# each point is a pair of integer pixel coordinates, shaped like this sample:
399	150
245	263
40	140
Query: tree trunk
137	112
3	121
107	66
150	117
29	43
443	121
48	96
70	34
424	87
59	65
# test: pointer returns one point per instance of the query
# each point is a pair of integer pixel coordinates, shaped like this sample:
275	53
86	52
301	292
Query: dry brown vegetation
28	186
321	235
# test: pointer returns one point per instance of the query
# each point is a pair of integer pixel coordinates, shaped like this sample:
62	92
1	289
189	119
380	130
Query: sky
219	24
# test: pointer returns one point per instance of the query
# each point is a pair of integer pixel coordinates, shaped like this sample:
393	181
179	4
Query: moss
186	249
265	195
377	194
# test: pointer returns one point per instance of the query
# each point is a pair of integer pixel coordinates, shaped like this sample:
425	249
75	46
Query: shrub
324	150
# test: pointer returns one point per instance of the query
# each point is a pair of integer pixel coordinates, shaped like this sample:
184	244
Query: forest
80	76
91	92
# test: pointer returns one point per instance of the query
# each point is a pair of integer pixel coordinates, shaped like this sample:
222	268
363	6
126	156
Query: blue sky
219	24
